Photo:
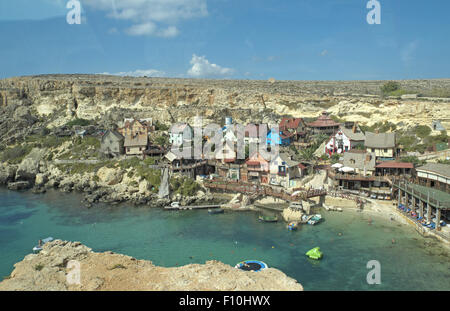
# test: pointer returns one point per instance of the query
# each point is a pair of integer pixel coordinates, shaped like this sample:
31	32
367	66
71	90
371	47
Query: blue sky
236	39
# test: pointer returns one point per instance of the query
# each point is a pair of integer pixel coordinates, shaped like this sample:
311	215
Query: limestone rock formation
52	269
110	176
29	166
53	100
7	173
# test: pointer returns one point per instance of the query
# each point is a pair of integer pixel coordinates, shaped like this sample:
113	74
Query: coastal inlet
177	238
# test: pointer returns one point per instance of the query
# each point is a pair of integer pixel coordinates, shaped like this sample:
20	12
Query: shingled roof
289	162
324	121
381	140
290	123
136	140
357	136
360	160
436	168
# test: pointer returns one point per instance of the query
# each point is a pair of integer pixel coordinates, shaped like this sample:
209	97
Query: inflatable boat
251	265
38	247
314	253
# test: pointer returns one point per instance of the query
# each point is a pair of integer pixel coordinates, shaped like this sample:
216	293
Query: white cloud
142	29
138	73
151	17
201	67
324	53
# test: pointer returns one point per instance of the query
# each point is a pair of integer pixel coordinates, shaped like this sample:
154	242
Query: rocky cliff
49	270
55	99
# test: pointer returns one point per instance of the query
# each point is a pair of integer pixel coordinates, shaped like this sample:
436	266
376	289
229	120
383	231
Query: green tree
389	87
335	158
79	122
307	153
422	131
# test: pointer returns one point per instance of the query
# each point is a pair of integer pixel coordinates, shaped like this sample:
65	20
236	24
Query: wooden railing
266	190
403	185
189	166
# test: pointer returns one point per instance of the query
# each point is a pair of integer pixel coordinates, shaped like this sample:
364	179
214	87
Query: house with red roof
394	168
295	126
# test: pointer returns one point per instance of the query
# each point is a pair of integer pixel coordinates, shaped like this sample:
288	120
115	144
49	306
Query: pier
422	198
263	190
176	208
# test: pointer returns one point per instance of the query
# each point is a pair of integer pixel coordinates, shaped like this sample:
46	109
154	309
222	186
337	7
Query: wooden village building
435	176
295	126
285	172
382	144
180	133
136	144
393	168
112	144
347	137
133	126
324	125
257	169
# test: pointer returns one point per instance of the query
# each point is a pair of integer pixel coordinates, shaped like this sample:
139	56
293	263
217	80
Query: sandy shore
385	210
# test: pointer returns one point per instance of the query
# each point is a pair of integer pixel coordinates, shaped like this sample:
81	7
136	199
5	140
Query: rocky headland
51	270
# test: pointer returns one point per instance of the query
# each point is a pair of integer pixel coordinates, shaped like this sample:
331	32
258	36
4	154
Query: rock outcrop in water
48	270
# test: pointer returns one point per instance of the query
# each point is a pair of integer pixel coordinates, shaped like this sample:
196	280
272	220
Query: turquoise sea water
183	237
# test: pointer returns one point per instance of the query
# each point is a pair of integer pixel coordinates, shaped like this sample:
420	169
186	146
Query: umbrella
337	165
347	169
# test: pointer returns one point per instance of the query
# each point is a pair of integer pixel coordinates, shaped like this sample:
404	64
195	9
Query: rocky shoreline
53	270
105	185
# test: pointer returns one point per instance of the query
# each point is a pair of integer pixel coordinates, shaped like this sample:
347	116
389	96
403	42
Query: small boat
292	226
267	218
315	219
296	206
175	204
251	265
213	211
314	253
38	247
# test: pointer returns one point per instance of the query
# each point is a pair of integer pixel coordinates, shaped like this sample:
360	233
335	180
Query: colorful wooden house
257	169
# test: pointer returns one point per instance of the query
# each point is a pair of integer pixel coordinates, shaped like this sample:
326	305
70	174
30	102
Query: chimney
354	128
377	131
